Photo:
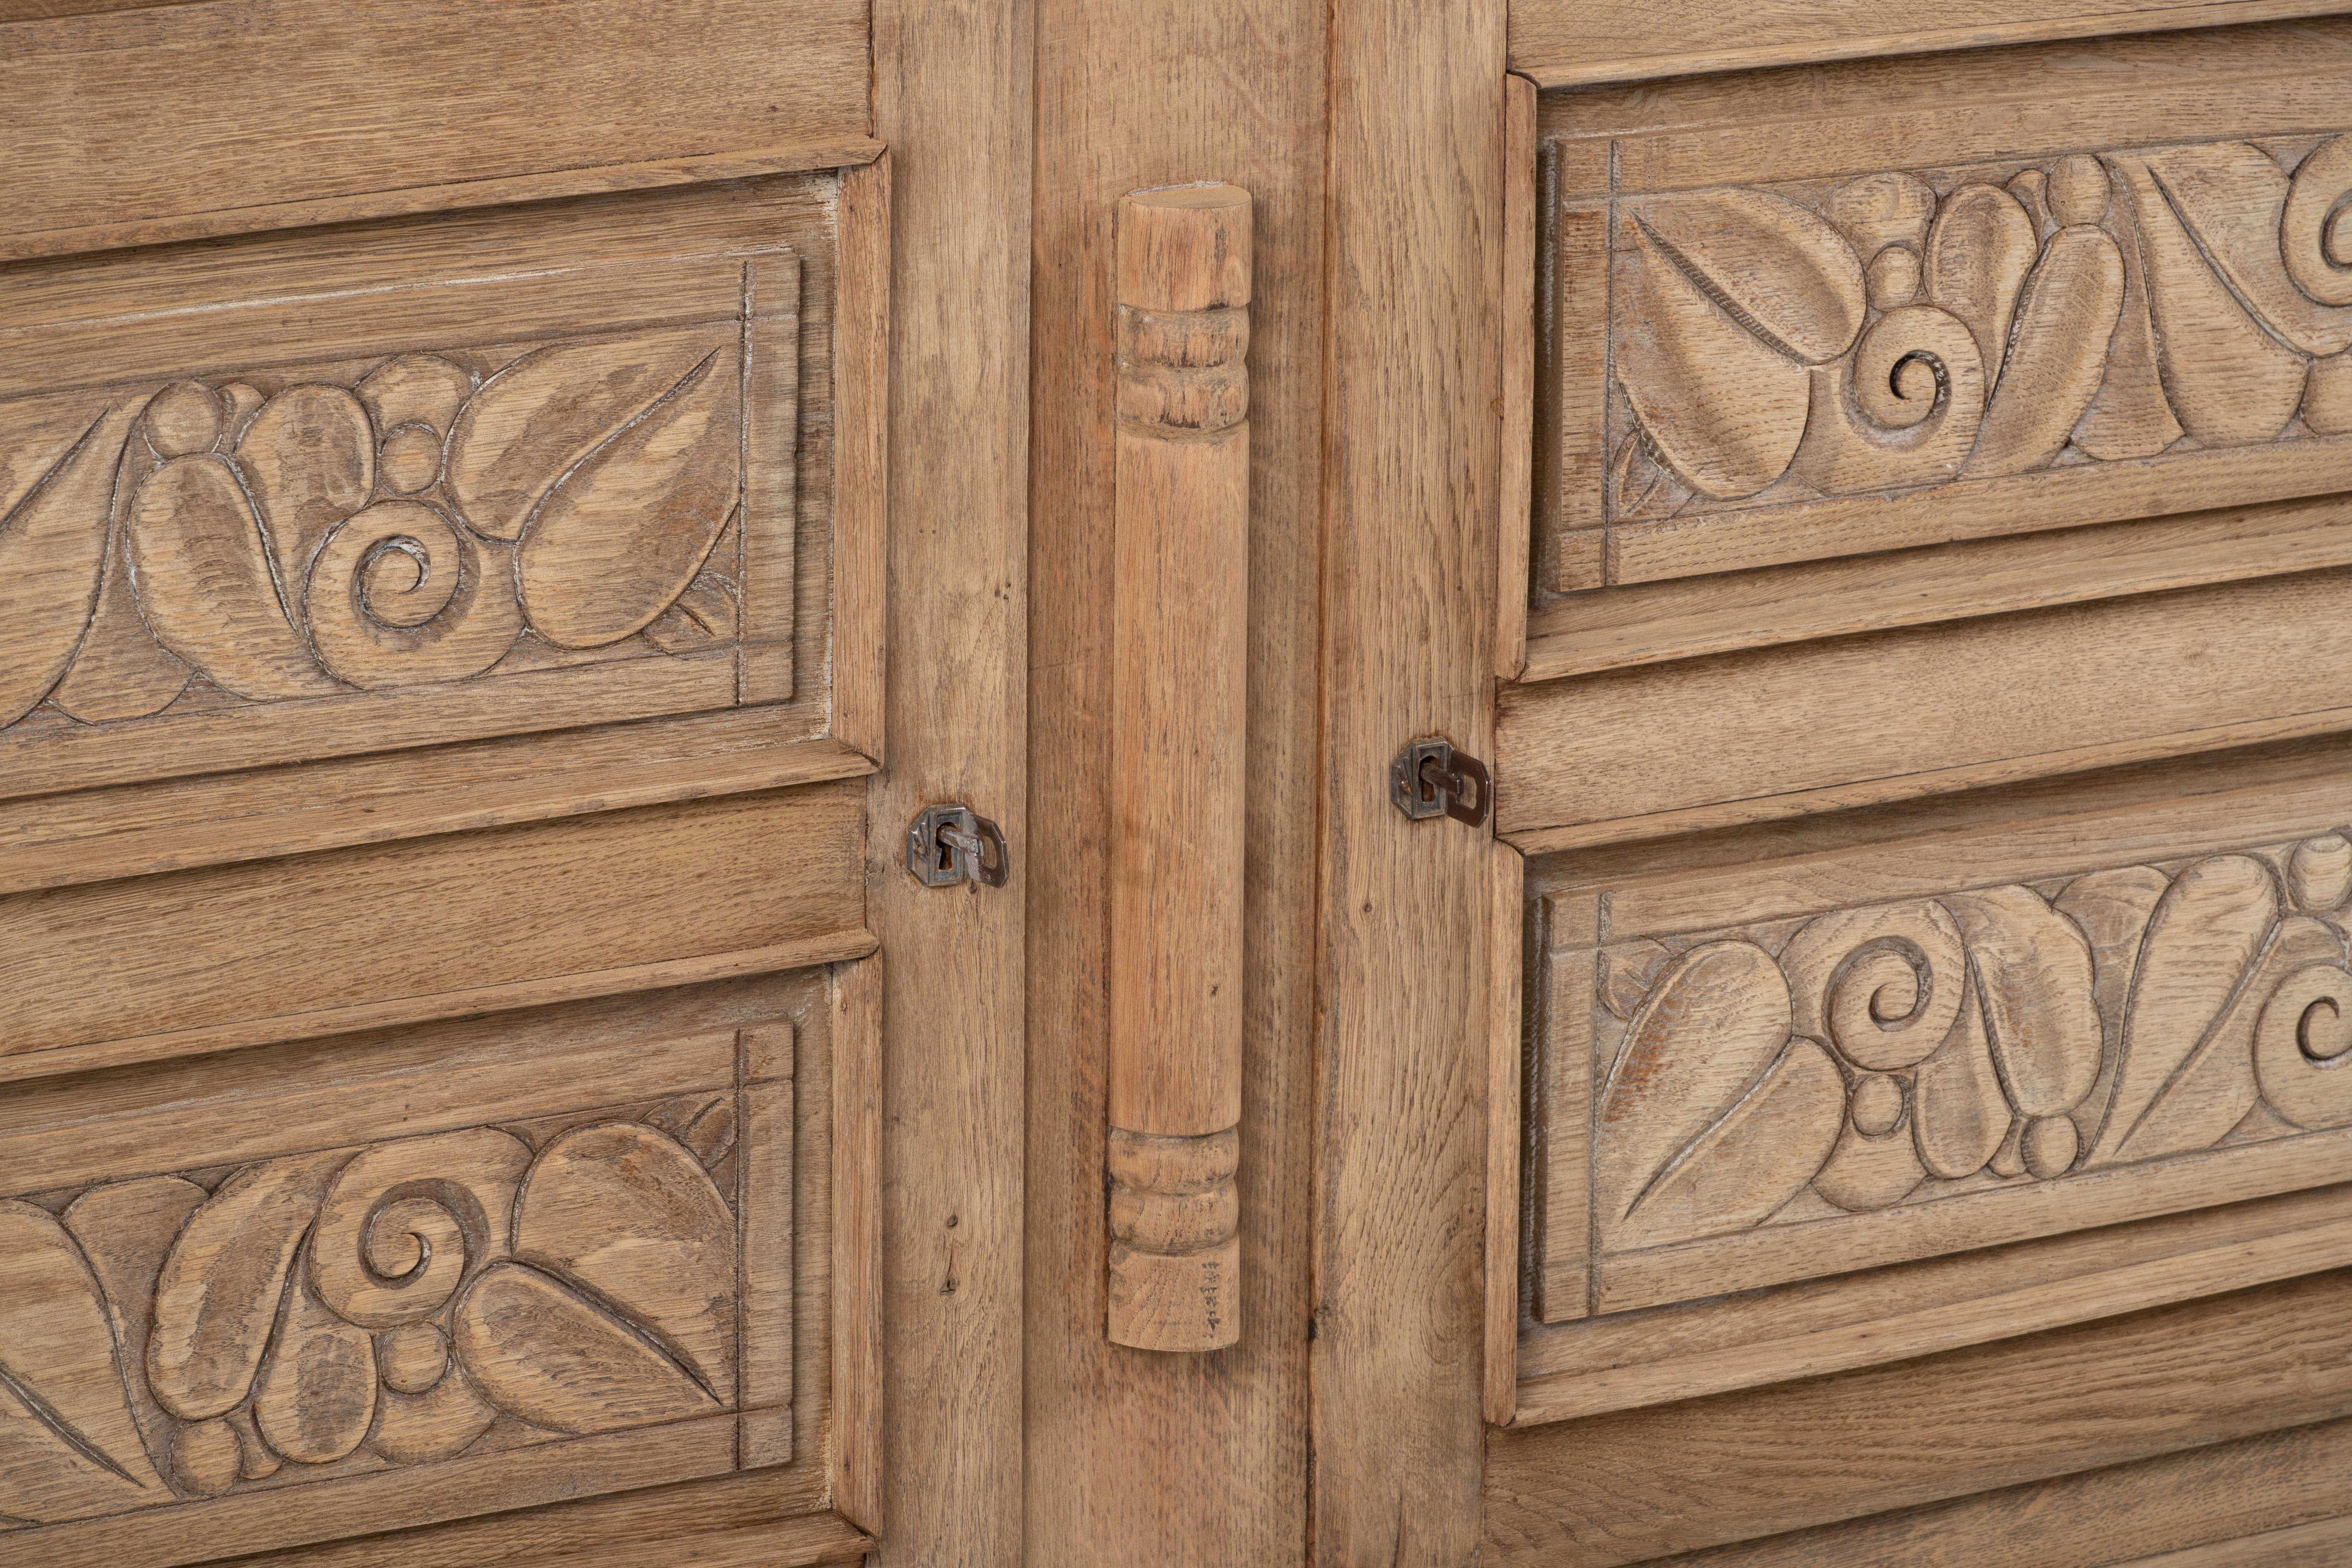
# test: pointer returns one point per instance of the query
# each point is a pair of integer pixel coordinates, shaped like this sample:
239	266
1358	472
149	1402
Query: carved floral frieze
427	517
1904	330
172	1337
1898	1053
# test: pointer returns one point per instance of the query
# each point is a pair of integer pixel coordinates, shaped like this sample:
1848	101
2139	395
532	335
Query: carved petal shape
208	582
52	553
1760	1154
2229	381
539	1349
1960	1113
126	1229
308	458
434	1424
2319	873
414	389
399	595
1721	407
317	1396
2059	355
2303	1046
534	421
2129	416
120	671
625	532
1782	271
1871	1171
405	1221
1884	982
68	1445
2233	198
219	1291
628	1211
1978	253
2113	910
2032	974
2172	1092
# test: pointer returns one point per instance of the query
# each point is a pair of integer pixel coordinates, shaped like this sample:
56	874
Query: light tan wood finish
1506	1049
858	1343
1138	1459
2251	1487
727	1524
861	588
437	104
1413	458
1558	44
952	97
1640	1484
1513	585
1179	751
2302	1546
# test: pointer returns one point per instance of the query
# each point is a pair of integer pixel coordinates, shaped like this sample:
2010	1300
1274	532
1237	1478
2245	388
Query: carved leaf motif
316	1398
630	1214
1719	407
308	461
1713	1117
404	1221
121	671
399	595
1960	1114
209	583
53	528
548	1354
68	1445
2058	356
219	1291
2173	1091
621	535
126	1229
2229	381
2032	977
2113	909
2130	416
2303	1046
1978	253
532	422
2233	198
1882	982
1904	411
1781	270
702	617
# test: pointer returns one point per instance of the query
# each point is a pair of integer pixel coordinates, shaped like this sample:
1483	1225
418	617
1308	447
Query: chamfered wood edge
544	185
301	808
1506	1051
830	947
856	1462
2129	1267
793	1541
1515	518
861	490
1536	55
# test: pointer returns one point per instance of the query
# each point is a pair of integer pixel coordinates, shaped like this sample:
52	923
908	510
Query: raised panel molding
1768	1071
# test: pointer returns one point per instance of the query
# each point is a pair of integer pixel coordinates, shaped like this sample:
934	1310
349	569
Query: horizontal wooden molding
409	106
1566	43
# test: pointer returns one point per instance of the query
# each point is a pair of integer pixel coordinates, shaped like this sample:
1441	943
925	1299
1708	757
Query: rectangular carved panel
294	1294
1902	326
359	492
1763	1070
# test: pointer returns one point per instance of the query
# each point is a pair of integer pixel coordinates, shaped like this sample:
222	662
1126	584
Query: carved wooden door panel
442	593
1923	753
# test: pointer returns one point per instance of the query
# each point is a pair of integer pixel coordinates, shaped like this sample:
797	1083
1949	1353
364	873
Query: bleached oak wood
128	109
1514	524
952	97
1506	1046
1412	459
857	1456
1211	1449
861	589
1640	1484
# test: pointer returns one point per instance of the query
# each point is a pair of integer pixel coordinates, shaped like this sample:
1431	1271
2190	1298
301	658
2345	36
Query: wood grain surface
952	96
1417	133
161	123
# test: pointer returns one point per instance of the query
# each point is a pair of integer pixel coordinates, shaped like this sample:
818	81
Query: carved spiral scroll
2303	1048
405	1222
1885	988
1904	410
398	593
2313	238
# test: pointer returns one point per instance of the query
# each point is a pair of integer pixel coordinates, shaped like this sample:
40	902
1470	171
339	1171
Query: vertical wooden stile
1179	717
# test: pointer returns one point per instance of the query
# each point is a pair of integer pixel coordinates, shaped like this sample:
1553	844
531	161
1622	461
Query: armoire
1371	782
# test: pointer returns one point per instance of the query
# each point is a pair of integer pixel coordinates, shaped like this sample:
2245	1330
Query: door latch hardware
1430	778
951	844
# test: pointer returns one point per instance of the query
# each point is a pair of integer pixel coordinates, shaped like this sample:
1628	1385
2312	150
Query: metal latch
951	844
1430	778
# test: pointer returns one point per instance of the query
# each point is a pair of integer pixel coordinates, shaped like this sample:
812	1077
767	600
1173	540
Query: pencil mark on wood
1902	1052
313	1315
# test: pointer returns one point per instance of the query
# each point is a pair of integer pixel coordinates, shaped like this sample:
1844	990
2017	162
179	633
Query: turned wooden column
1179	766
